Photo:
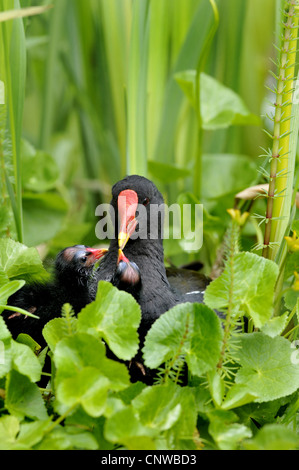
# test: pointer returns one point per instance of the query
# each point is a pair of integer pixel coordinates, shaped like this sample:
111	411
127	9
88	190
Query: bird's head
139	210
138	207
74	265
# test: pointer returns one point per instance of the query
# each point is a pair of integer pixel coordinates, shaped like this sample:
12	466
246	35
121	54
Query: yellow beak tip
122	239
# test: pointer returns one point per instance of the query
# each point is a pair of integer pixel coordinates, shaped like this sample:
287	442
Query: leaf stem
61	418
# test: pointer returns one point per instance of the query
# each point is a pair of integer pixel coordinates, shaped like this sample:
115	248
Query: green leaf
5	348
273	437
295	225
8	289
254	279
62	438
167	173
292	263
23	338
23	398
55	330
220	106
275	325
33	432
216	386
25	361
125	428
188	329
169	407
43	216
4	331
115	317
17	356
39	170
74	353
9	429
291	298
225	431
268	368
18	261
238	395
158	407
237	172
88	388
84	374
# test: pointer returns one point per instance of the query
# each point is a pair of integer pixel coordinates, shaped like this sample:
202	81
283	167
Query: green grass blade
117	36
48	113
137	91
173	99
14	77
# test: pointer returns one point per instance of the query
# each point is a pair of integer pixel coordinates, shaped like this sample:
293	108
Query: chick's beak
96	254
122	257
127	206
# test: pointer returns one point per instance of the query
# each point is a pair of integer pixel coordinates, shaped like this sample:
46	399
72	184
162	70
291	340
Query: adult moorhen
136	263
73	269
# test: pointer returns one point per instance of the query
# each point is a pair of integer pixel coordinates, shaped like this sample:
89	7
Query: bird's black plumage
72	271
153	291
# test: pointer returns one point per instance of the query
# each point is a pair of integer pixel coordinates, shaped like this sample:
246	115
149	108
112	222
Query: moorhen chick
73	269
136	263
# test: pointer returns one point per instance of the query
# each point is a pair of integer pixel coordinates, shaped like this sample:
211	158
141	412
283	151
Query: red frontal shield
127	206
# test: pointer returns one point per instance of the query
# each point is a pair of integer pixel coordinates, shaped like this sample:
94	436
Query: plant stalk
197	179
279	166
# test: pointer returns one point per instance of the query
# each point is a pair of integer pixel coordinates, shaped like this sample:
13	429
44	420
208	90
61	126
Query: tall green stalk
137	91
13	74
117	34
46	128
282	158
200	66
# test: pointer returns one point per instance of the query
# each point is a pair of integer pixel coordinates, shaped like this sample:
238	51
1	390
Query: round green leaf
124	427
23	398
74	353
114	316
273	437
187	329
254	279
88	388
268	368
18	261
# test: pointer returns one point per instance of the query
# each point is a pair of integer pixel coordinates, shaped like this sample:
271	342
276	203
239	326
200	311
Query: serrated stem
281	133
171	364
233	243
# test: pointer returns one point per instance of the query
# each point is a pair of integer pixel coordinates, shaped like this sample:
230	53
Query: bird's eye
83	259
145	201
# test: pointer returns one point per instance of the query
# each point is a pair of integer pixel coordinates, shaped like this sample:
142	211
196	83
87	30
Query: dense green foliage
173	90
237	383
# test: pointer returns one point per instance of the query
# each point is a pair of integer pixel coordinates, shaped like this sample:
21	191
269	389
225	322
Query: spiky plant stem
282	117
232	249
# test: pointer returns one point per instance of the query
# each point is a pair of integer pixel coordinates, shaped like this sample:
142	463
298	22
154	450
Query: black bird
187	281
73	269
147	279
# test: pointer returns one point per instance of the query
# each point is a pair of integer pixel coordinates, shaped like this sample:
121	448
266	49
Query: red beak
97	253
127	206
